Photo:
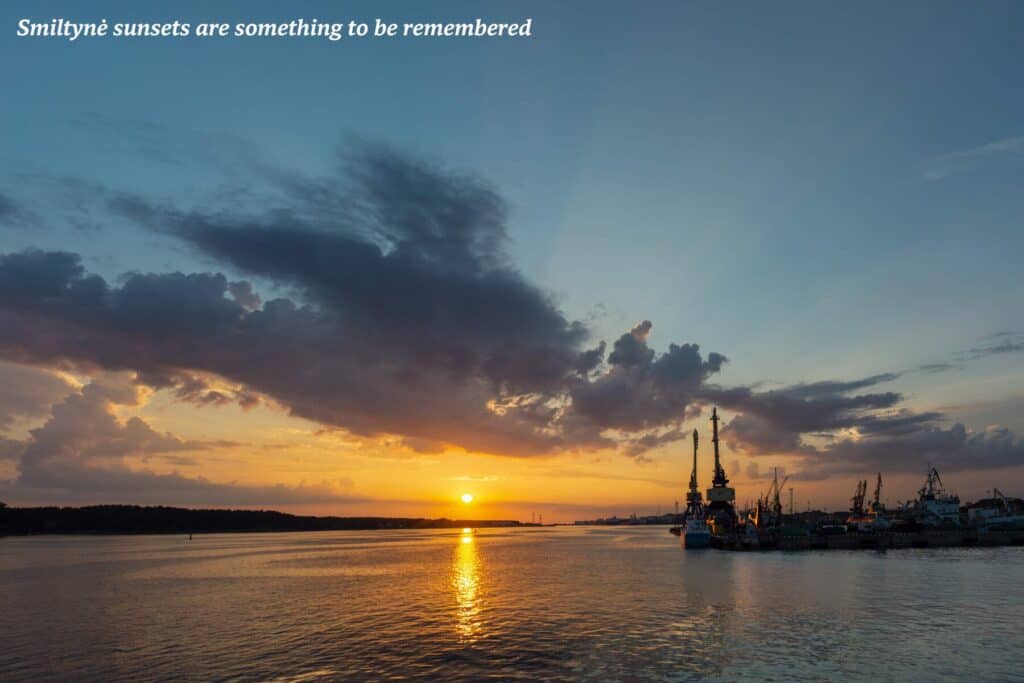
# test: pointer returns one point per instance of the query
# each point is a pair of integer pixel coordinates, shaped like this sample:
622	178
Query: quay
935	519
882	540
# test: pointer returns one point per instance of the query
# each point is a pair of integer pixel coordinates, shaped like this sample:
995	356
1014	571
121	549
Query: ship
767	512
870	519
934	507
935	519
997	513
695	532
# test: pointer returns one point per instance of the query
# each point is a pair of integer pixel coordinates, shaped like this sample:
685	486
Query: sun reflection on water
466	587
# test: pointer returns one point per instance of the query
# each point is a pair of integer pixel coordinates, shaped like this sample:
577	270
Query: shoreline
132	520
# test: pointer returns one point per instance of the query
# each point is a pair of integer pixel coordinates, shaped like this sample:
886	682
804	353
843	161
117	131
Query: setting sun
467	498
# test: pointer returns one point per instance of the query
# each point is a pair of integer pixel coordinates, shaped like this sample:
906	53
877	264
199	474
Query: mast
693	499
693	474
721	512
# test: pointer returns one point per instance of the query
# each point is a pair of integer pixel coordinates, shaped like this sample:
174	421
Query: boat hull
694	540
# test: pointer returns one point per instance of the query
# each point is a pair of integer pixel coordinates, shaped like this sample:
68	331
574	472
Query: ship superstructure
767	511
997	513
934	507
871	517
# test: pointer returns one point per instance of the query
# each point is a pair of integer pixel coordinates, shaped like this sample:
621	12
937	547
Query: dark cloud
935	368
809	408
84	453
641	390
758	436
405	317
7	207
950	449
14	213
83	433
406	258
243	293
28	392
833	430
1001	343
398	312
10	449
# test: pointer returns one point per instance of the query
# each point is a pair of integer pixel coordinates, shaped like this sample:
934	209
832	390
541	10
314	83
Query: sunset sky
366	277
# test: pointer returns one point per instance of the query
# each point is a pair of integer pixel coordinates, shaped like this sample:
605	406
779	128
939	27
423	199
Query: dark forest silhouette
134	519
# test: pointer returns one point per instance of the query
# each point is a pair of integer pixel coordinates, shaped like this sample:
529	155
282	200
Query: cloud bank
84	453
836	430
405	317
380	299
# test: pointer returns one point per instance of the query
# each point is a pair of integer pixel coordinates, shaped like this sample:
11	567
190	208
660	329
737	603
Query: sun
467	498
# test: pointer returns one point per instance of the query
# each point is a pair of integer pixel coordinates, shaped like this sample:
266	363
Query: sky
367	276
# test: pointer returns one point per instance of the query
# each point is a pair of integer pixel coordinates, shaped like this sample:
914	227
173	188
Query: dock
882	540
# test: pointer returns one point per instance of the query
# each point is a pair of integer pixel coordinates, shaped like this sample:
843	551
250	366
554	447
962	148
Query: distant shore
135	519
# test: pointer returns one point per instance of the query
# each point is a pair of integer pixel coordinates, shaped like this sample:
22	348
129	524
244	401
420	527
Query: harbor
934	519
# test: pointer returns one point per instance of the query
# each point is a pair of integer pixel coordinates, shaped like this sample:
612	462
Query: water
566	603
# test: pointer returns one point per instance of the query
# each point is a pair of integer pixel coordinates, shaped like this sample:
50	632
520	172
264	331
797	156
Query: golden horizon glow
334	472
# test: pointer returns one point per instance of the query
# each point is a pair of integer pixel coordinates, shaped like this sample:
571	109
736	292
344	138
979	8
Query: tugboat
696	533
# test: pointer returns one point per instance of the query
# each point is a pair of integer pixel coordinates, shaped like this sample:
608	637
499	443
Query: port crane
775	491
768	511
857	507
932	485
1002	500
876	504
694	502
720	511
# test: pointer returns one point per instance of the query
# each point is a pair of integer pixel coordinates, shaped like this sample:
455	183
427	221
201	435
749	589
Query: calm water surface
566	603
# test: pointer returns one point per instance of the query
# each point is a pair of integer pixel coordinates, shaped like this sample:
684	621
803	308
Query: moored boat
696	533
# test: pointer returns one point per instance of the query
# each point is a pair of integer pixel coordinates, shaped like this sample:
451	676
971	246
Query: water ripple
563	604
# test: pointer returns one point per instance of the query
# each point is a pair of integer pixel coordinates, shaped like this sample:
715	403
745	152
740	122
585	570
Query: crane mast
694	503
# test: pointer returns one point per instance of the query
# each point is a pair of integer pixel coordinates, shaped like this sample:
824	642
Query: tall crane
857	501
876	504
719	480
694	503
721	511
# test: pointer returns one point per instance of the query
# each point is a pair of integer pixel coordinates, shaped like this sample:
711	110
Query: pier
935	519
769	539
